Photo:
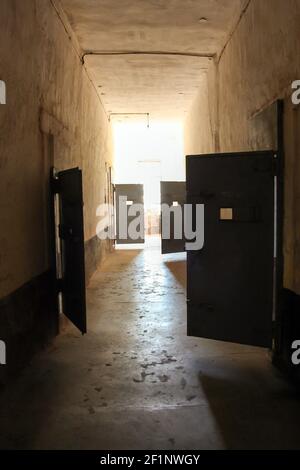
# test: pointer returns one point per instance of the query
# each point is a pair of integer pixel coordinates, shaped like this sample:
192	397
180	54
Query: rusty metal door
173	194
68	186
230	280
132	194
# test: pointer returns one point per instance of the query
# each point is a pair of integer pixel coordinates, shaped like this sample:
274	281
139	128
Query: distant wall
137	146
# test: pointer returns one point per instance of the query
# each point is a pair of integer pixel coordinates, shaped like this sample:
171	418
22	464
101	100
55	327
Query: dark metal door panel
230	281
72	245
173	192
134	194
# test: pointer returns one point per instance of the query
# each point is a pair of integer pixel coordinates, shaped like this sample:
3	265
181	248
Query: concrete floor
137	381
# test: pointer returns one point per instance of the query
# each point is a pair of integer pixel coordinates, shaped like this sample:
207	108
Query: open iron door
173	195
71	233
129	205
230	280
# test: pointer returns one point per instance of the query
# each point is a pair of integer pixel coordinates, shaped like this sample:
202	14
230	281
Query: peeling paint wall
257	67
259	64
45	80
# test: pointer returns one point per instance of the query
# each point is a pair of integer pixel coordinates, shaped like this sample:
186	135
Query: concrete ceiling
163	81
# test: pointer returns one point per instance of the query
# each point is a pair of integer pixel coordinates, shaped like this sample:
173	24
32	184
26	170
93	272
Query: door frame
279	268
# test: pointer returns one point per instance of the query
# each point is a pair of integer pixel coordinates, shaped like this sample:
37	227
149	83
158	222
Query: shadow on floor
178	269
250	414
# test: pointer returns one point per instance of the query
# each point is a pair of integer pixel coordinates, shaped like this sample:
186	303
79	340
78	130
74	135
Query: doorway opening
144	157
151	175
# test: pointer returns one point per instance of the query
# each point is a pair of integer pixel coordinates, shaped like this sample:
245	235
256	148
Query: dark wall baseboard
28	321
28	317
287	332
